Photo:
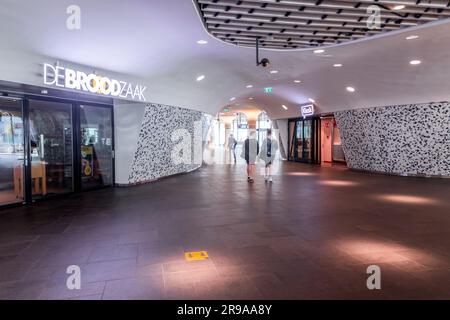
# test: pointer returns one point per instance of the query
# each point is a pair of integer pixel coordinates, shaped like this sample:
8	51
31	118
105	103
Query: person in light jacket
269	149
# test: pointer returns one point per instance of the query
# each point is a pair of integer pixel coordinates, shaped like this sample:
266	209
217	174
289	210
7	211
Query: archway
263	123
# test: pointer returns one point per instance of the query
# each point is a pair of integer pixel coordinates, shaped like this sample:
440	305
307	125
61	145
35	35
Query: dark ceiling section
290	24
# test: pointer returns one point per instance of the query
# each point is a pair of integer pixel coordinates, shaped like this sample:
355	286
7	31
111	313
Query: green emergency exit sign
268	90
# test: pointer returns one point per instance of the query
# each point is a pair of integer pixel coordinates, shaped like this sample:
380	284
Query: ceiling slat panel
290	24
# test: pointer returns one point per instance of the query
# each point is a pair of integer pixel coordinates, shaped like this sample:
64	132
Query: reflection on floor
7	197
310	234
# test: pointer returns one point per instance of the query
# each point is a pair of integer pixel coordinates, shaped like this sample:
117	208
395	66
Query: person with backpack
269	149
250	151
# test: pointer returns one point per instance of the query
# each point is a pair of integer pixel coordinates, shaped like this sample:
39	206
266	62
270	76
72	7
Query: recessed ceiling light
412	37
274	71
312	100
351	89
200	78
415	62
232	99
398	7
337	65
297	81
284	107
319	51
202	42
250	98
249	86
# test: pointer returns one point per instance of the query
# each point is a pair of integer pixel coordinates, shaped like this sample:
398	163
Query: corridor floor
311	234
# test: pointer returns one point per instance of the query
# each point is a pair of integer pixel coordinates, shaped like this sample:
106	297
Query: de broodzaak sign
77	80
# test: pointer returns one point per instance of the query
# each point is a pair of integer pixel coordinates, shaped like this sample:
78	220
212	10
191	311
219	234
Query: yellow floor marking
196	256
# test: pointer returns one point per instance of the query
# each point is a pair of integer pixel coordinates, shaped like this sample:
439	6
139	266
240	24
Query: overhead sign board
76	80
307	110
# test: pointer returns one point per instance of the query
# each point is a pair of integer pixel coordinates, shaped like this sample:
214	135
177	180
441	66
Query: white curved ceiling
156	41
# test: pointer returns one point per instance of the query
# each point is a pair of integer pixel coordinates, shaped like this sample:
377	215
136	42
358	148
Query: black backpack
269	148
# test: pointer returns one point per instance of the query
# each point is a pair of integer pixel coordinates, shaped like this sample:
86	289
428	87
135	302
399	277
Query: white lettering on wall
77	80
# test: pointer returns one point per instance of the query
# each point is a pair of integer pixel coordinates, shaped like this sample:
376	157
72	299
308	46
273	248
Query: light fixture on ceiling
200	78
351	89
202	42
297	81
251	98
312	100
337	65
284	107
274	71
415	62
398	7
319	51
249	86
232	99
412	37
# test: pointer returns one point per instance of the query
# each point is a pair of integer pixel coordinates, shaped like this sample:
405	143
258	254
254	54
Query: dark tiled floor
310	234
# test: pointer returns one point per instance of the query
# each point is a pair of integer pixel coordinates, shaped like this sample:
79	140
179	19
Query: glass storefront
96	147
53	146
11	151
304	140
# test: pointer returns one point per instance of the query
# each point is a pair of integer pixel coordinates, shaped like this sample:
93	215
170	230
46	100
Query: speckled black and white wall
404	140
152	159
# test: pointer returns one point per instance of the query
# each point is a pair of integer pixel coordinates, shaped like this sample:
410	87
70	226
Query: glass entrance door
303	137
299	134
96	147
12	153
51	148
307	140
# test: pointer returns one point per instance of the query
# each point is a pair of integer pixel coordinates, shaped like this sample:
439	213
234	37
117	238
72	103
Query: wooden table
38	177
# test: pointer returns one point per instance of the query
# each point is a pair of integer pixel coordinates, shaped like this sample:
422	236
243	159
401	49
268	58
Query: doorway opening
331	144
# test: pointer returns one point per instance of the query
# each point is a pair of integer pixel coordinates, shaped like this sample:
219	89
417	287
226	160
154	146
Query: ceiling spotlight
337	65
200	78
232	99
274	71
250	98
415	62
412	37
312	100
284	107
319	51
249	86
202	42
351	89
297	81
398	7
